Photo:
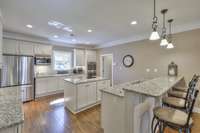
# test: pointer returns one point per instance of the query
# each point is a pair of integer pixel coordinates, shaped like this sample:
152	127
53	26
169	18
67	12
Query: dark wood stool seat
180	88
178	94
172	116
174	102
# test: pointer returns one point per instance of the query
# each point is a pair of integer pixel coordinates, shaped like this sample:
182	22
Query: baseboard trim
196	110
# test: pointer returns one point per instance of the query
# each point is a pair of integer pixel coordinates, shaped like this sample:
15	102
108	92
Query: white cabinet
91	55
26	48
79	57
102	85
52	84
82	95
92	93
10	46
41	86
40	49
49	85
86	94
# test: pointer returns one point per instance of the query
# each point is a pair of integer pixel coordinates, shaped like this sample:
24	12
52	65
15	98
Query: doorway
106	68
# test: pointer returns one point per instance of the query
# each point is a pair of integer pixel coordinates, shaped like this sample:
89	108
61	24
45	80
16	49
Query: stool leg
160	128
152	124
154	131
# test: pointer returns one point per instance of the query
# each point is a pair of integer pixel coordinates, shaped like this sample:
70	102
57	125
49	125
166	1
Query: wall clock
128	60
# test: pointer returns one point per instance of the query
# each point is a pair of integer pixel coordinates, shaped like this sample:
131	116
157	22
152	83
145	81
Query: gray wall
148	54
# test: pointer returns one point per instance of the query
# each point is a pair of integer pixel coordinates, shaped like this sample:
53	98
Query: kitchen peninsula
81	93
136	101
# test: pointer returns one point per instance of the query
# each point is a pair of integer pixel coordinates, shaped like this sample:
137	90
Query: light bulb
154	36
170	46
164	42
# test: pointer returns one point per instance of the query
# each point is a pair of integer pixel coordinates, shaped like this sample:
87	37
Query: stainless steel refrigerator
19	71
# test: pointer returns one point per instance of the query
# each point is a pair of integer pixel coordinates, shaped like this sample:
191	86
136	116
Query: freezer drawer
27	93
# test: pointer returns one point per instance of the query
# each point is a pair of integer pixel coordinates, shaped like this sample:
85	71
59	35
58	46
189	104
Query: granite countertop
55	75
83	80
118	90
154	87
11	112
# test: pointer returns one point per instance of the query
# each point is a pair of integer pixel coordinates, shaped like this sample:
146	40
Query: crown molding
177	29
35	39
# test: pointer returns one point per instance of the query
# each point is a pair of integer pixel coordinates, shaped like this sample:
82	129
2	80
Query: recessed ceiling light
29	26
55	36
67	29
133	22
89	30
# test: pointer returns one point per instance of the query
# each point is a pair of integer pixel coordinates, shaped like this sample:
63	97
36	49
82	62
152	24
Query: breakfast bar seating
173	118
141	99
180	103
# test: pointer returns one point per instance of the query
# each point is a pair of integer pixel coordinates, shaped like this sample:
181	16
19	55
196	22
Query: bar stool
179	103
185	88
182	94
173	118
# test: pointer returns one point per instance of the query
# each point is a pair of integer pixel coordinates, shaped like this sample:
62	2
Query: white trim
177	29
196	110
101	57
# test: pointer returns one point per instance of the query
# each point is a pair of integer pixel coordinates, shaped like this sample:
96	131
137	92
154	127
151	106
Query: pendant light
164	41
154	34
170	45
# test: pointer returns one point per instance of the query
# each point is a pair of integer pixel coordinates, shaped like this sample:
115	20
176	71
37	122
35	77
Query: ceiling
109	19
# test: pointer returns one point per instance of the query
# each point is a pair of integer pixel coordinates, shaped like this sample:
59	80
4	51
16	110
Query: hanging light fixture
164	41
170	45
154	34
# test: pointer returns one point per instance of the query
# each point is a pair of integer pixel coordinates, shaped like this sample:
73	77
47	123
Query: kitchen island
83	93
11	112
128	107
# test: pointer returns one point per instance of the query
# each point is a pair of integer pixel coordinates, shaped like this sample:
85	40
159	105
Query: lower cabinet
49	85
86	94
79	97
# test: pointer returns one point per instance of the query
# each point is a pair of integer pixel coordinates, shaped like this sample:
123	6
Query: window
62	60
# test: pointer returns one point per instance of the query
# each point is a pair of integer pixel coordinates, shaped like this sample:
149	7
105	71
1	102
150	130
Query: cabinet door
79	57
26	48
92	98
41	86
10	46
82	96
91	56
52	84
40	49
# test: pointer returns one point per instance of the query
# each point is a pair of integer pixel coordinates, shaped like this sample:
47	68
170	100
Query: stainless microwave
43	60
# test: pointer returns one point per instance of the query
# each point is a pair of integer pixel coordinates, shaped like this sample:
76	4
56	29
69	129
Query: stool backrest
191	105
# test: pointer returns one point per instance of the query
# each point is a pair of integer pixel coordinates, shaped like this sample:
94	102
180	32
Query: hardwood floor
48	115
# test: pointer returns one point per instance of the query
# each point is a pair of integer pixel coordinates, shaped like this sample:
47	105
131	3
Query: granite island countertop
11	112
83	80
154	87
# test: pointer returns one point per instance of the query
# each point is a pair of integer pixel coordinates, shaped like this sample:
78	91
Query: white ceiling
109	19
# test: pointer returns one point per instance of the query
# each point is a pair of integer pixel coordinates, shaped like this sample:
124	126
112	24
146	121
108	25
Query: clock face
128	61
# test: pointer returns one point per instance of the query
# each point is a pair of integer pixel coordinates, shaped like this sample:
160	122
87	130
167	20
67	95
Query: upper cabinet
91	55
16	47
26	48
40	49
79	57
10	46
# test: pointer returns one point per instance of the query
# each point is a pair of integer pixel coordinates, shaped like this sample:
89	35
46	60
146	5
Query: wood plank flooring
48	115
